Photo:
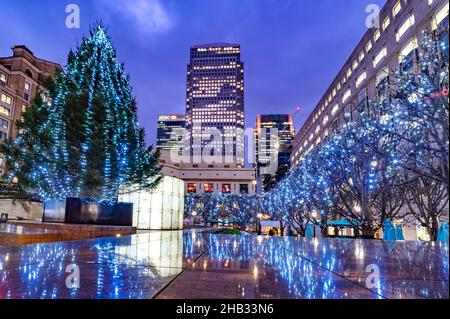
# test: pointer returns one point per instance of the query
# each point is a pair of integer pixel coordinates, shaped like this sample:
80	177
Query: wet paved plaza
189	265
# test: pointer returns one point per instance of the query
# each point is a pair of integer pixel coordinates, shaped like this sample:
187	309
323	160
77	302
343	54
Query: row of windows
209	188
441	14
404	57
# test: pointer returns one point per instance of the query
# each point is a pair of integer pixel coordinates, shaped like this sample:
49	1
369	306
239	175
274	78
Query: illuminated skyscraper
215	102
170	132
274	135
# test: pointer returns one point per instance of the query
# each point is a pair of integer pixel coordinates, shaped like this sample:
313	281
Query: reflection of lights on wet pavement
137	266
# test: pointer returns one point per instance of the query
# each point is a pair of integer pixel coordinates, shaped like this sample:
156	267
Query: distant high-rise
171	132
274	135
215	102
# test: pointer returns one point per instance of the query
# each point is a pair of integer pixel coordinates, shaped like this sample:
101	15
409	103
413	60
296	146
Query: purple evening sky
292	49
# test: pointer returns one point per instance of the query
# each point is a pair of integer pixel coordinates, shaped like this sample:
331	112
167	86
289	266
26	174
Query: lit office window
405	26
226	188
349	72
6	99
346	95
386	23
406	56
376	35
325	120
317	129
383	74
3	77
361	79
318	140
397	8
5	111
208	188
192	188
380	56
361	56
368	46
440	16
407	49
335	109
354	65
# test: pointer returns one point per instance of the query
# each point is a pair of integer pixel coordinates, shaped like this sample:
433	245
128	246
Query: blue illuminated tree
90	143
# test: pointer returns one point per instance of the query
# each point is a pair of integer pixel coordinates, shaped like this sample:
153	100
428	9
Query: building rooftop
215	45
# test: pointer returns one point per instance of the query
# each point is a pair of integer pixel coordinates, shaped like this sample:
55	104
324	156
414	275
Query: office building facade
210	178
273	138
22	77
215	104
390	45
171	132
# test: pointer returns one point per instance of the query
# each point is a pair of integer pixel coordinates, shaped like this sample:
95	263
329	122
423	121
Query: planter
87	211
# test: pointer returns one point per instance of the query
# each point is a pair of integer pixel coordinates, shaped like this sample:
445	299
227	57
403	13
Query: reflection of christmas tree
86	142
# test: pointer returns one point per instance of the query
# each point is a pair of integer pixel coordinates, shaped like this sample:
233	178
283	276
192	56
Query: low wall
77	232
30	211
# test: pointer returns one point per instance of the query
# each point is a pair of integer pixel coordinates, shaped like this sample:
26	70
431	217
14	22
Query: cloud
149	17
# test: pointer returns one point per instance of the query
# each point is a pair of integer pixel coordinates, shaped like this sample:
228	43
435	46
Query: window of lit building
386	23
440	16
406	55
396	9
346	95
405	26
6	99
3	77
349	72
192	188
317	129
368	46
226	188
335	109
379	57
5	111
318	140
361	79
376	35
208	188
361	56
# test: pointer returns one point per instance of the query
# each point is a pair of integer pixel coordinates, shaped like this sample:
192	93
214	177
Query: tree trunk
433	230
368	232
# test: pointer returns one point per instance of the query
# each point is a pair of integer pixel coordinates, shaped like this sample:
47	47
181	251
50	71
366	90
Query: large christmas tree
84	140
